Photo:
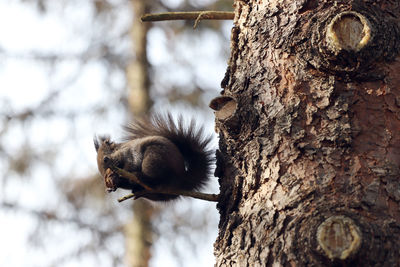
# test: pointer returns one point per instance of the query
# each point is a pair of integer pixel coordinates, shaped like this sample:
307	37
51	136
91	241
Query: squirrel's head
104	147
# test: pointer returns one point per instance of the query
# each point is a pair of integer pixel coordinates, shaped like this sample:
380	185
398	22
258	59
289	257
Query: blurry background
70	69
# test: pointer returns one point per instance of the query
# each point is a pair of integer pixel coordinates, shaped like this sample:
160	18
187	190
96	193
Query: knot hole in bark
350	43
349	31
339	237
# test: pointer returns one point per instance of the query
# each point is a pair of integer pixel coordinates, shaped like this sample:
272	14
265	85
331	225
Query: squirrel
161	154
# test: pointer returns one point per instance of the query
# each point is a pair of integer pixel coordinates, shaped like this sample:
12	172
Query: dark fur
161	153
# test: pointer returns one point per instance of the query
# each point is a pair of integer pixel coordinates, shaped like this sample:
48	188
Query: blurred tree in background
63	67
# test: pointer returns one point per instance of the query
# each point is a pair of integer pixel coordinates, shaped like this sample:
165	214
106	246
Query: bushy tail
190	141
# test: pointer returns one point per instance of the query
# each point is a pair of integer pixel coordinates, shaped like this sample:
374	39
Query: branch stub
349	31
339	237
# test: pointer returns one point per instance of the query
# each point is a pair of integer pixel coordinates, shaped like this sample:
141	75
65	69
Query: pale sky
24	83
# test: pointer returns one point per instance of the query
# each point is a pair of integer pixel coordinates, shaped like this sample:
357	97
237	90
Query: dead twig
149	190
198	195
192	15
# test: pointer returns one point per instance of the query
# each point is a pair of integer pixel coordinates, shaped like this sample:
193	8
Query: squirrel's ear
96	143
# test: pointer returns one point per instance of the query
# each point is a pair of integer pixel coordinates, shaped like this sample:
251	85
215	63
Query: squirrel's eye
106	159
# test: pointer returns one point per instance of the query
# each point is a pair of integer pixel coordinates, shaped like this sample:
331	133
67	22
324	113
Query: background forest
63	78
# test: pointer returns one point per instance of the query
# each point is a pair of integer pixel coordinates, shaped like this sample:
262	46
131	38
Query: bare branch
193	15
193	194
149	190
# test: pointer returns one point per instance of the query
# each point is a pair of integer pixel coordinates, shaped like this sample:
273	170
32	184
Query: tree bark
309	124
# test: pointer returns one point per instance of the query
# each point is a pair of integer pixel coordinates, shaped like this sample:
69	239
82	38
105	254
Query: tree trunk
139	231
309	124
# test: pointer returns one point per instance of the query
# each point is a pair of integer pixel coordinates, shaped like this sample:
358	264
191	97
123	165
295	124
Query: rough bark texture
309	127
